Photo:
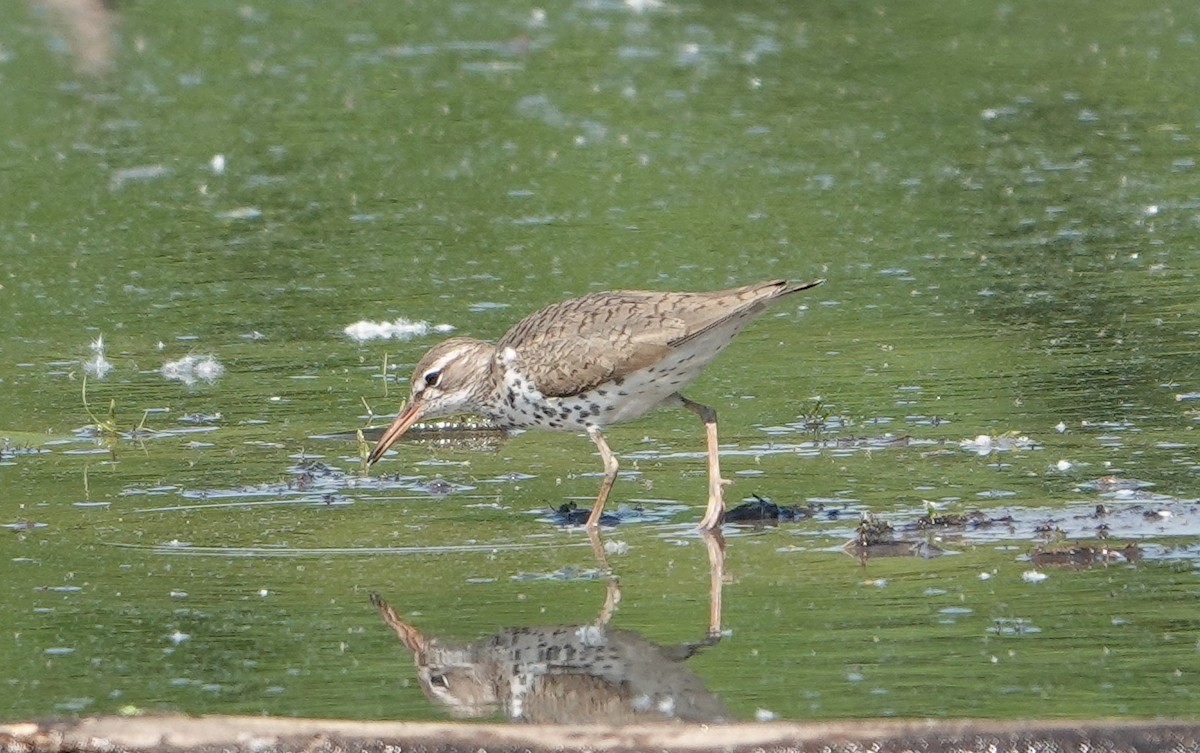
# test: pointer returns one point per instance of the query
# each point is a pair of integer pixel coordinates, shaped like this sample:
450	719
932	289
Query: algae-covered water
198	200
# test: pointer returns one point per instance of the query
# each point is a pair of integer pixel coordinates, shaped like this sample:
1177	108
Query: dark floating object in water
872	531
765	512
571	514
945	520
439	487
1082	556
1049	529
877	538
973	519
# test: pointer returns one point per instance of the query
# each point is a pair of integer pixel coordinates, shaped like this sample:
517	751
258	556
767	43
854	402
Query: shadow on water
586	673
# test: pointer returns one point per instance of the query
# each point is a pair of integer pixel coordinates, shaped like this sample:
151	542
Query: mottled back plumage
584	342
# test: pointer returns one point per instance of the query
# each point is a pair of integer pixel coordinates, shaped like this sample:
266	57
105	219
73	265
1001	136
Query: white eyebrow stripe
442	362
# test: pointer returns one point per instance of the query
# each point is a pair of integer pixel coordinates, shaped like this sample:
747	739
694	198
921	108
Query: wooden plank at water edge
172	734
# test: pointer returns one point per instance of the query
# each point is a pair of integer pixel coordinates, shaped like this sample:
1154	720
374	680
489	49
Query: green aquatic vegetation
105	427
384	372
108	428
815	417
364	450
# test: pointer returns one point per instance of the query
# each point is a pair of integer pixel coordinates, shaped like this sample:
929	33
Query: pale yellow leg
610	476
715	512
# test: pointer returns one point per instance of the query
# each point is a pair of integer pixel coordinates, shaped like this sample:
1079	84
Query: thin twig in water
385	379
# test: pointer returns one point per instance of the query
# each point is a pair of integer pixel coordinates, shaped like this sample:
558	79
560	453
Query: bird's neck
492	370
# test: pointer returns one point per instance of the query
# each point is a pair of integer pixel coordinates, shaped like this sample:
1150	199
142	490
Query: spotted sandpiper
588	363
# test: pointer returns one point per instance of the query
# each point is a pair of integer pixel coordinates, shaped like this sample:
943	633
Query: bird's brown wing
573	346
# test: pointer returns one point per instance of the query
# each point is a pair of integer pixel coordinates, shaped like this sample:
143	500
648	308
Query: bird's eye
432	378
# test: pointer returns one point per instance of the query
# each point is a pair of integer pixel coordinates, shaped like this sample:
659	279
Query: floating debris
972	519
130	174
944	520
401	329
985	444
871	531
192	369
241	213
876	538
616	547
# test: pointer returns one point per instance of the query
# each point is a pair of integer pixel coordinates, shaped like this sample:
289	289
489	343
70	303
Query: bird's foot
712	520
714	514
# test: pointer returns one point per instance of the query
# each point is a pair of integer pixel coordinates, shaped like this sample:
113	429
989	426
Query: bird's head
449	379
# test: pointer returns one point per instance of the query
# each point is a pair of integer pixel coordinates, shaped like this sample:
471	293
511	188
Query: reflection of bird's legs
612	586
593	535
90	27
612	597
715	544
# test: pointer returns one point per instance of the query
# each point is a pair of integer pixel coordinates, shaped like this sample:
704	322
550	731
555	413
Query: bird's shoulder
575	345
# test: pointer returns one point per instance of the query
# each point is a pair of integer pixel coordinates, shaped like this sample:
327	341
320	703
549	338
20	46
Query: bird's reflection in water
90	29
569	674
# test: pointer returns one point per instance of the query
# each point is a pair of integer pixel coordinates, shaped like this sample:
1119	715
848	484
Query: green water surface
1002	195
